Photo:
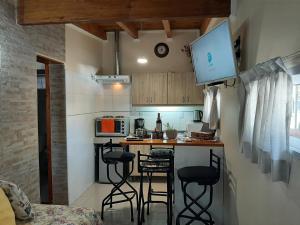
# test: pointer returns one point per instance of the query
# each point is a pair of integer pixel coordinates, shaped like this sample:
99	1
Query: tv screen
213	55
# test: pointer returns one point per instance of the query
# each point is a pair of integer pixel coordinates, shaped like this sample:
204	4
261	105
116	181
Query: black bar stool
206	176
112	158
148	164
159	153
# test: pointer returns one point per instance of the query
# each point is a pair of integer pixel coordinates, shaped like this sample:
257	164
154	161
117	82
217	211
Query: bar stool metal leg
116	190
149	191
149	166
140	201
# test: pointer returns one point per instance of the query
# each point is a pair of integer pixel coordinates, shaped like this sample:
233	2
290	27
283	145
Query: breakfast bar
193	152
191	142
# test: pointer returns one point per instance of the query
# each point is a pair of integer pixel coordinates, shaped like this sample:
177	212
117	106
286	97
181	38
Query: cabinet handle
183	99
151	99
147	99
188	98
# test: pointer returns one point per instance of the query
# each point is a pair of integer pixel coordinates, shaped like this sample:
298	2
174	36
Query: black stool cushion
118	156
203	175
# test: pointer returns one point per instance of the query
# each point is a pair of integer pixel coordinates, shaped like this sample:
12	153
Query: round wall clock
161	50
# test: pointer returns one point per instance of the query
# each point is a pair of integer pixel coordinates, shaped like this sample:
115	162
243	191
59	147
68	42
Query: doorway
44	128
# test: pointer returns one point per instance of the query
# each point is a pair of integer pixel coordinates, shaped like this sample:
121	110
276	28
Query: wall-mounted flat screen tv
213	55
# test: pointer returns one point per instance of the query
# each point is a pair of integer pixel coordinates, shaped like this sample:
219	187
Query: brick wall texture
18	95
58	134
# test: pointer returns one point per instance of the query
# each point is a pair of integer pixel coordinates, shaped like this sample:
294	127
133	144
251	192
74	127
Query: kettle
198	114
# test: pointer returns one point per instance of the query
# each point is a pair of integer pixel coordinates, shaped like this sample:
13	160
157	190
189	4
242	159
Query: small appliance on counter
109	126
198	115
139	128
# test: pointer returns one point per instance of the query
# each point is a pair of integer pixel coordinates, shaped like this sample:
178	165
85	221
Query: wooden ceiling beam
93	29
167	28
204	25
33	12
129	28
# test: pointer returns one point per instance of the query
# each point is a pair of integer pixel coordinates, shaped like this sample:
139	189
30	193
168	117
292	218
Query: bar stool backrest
106	148
161	152
148	163
165	148
215	161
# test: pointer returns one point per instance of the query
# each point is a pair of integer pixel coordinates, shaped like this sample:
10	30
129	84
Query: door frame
47	62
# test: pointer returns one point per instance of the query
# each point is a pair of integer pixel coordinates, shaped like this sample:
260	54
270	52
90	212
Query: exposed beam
33	12
167	28
93	29
130	29
204	25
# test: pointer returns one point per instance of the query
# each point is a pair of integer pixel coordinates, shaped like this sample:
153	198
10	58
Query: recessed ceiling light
142	60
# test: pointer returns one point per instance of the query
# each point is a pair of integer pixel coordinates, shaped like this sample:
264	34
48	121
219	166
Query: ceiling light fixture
142	60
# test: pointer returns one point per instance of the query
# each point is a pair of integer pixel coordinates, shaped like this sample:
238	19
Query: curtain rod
292	55
292	62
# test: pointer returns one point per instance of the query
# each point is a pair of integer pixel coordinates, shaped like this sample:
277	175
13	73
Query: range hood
114	78
111	79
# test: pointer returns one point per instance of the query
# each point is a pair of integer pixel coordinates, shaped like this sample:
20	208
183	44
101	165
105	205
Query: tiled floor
120	214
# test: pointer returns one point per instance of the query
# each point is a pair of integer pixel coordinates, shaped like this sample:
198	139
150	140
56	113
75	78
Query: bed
62	215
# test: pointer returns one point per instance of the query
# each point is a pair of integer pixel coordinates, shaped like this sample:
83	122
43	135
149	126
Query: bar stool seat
203	175
118	156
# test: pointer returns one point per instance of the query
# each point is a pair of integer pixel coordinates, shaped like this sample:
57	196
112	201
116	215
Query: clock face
161	50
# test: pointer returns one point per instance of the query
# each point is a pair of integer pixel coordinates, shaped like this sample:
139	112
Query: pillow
18	200
7	215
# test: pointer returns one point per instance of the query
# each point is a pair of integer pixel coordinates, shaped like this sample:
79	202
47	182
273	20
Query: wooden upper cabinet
194	93
166	89
149	89
182	89
158	88
176	88
136	89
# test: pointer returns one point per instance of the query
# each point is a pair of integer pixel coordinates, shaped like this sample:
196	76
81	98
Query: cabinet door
176	88
140	89
194	94
158	88
149	88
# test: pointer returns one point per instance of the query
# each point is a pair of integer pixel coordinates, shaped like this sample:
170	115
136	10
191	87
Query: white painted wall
83	58
131	49
273	29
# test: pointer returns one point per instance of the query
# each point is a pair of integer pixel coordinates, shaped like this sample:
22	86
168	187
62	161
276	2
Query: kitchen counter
194	142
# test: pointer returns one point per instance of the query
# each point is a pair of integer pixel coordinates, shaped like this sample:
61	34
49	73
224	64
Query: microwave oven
107	127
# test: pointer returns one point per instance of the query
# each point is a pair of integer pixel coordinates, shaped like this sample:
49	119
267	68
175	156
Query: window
295	120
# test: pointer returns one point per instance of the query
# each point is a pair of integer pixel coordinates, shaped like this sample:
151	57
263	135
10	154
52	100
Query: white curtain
266	121
211	109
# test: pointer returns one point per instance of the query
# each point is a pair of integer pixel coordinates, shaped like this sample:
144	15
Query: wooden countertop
194	142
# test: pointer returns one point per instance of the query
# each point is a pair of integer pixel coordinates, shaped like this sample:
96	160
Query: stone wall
58	134
18	96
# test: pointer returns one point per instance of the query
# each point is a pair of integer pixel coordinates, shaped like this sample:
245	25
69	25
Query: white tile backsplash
177	116
123	90
116	100
121	103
